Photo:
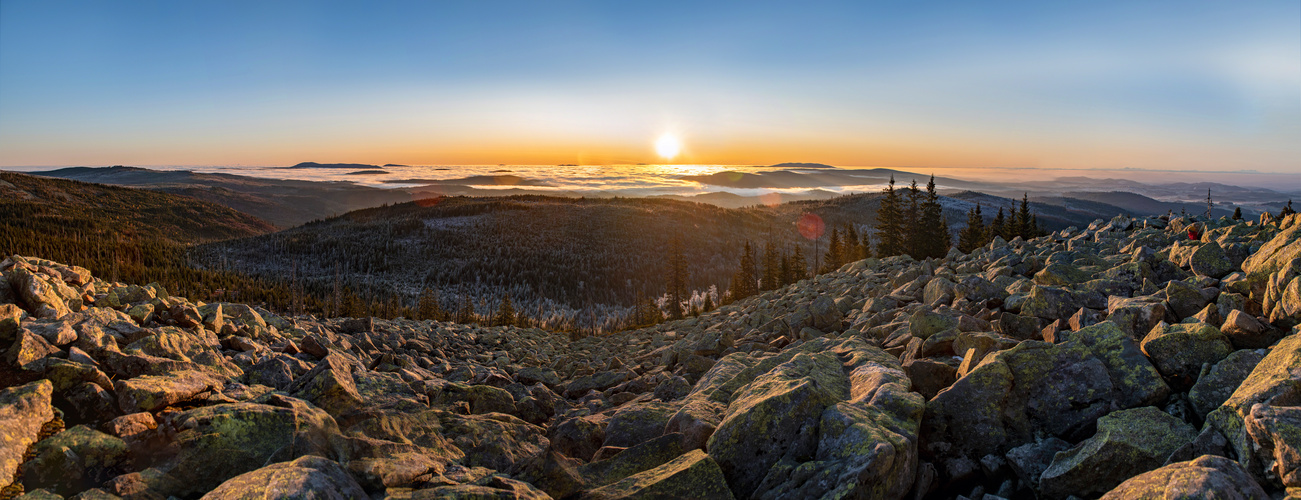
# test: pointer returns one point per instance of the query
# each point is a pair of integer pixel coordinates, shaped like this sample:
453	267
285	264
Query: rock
768	417
1138	383
1061	275
28	350
495	440
494	486
55	332
152	393
929	376
329	385
24	410
825	315
10	317
1180	350
642	457
1210	260
924	323
638	422
1214	386
1050	303
1127	441
74	460
218	442
304	477
1205	477
41	294
1020	327
1030	460
598	382
481	398
672	389
1137	315
696	421
1247	332
1184	299
65	374
693	475
578	437
530	375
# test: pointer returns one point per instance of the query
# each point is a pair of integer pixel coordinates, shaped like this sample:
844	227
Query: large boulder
495	440
638	422
304	477
1247	332
775	415
155	392
1210	260
27	350
218	442
329	385
1180	350
1135	315
45	297
24	410
1127	442
1275	381
74	460
1050	303
693	475
1207	476
1214	386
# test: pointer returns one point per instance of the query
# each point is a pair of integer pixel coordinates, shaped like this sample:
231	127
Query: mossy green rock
1138	383
1061	275
10	317
23	410
494	440
40	293
1276	432
1184	299
1210	260
1127	442
774	414
638	422
1050	303
222	441
641	457
1135	315
1215	386
1180	350
481	398
924	323
692	475
198	347
303	478
75	459
1208	477
66	374
1274	255
1277	376
27	351
154	392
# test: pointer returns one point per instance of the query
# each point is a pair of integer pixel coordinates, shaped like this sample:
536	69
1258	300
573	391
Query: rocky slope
1121	360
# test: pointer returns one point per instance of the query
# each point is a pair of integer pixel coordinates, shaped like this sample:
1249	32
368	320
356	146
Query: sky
1177	85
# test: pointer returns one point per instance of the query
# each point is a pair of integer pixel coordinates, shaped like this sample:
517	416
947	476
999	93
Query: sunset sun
668	146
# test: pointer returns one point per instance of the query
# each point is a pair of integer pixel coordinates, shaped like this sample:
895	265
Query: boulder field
1121	360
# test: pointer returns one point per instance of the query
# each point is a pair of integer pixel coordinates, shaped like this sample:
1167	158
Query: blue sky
1164	85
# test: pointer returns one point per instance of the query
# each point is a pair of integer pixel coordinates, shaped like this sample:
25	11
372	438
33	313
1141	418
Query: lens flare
668	146
811	226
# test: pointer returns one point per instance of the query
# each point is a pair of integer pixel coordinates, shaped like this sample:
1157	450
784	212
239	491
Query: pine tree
745	283
1237	213
933	234
972	236
505	313
785	276
466	312
889	223
771	267
427	306
677	274
834	259
799	265
1021	225
708	303
1287	210
865	246
913	240
849	244
998	227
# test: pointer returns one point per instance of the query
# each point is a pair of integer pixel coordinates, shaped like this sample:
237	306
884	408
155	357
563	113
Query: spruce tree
1022	226
677	274
972	236
998	227
799	265
850	250
1287	210
785	275
933	232
427	306
914	239
834	259
505	313
771	267
1237	213
744	284
889	223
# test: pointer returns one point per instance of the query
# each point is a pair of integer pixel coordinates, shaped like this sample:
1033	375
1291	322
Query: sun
668	146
